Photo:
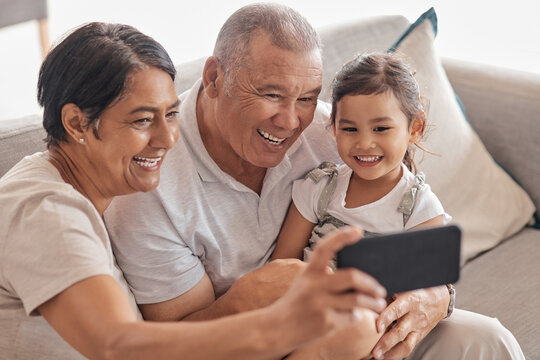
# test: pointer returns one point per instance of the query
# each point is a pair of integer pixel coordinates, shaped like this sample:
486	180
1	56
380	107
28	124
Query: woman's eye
272	96
173	115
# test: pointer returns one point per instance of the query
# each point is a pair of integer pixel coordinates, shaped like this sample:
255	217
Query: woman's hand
320	301
415	314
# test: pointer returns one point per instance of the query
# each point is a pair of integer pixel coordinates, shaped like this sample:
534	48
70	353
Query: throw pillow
482	198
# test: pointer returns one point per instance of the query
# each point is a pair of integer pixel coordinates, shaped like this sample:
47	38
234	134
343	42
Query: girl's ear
334	128
74	122
418	125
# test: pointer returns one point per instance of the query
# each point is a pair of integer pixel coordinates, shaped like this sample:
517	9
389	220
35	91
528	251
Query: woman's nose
166	134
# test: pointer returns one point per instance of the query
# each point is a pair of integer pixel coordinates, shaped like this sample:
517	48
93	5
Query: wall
486	32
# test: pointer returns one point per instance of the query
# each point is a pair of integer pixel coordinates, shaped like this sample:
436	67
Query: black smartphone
407	260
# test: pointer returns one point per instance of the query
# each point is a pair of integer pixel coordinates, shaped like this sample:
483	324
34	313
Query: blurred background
498	33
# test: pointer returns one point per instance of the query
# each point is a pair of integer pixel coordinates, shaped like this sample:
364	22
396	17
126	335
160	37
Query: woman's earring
81	140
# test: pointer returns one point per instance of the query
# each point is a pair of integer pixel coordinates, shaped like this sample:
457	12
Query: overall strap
325	169
406	206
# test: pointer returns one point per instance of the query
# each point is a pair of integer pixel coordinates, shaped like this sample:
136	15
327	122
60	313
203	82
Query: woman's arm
294	236
95	317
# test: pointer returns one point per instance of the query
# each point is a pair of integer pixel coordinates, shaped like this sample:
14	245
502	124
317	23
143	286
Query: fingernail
381	303
357	314
378	354
382	326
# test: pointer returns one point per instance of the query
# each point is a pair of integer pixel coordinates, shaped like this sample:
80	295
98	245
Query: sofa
500	274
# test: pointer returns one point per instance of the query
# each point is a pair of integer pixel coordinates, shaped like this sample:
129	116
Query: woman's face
135	133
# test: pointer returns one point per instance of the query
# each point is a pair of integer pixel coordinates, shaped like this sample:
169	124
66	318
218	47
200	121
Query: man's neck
221	152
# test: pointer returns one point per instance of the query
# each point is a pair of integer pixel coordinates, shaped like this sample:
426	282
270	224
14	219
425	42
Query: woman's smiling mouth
147	162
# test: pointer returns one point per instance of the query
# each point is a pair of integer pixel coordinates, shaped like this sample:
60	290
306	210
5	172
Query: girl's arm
294	236
436	221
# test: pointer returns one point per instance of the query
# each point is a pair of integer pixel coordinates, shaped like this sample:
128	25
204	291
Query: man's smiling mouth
270	138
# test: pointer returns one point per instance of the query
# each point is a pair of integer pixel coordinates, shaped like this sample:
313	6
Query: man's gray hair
286	27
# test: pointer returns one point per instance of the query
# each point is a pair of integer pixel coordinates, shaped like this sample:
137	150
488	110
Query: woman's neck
70	166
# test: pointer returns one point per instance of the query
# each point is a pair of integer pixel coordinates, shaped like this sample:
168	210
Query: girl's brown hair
377	73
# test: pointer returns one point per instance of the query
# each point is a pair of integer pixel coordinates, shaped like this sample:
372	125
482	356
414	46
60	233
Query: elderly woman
110	112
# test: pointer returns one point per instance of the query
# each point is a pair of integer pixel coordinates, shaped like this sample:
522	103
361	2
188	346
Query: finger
398	333
395	310
351	301
327	248
354	280
403	348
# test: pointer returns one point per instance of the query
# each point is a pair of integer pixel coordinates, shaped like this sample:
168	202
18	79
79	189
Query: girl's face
373	134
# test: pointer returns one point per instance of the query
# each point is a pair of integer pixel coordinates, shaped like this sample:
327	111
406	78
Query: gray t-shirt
201	219
51	237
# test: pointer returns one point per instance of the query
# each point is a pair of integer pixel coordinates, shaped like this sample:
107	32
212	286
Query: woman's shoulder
34	180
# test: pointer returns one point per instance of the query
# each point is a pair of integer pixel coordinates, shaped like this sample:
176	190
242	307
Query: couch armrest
503	106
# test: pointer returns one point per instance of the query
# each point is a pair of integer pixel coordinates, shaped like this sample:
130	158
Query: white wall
502	34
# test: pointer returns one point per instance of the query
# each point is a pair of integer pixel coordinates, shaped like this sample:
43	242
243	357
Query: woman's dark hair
90	68
378	73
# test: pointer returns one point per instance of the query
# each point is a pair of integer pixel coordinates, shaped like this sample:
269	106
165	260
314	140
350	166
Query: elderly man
249	128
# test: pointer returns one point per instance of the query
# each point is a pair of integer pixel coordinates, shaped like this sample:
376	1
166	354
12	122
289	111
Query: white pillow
482	198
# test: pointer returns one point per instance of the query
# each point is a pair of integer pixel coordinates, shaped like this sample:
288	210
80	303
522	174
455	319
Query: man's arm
254	290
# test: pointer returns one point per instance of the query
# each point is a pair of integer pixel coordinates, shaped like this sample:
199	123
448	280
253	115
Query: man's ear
211	74
418	125
74	122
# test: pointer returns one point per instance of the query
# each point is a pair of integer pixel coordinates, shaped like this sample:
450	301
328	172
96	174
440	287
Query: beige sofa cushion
482	197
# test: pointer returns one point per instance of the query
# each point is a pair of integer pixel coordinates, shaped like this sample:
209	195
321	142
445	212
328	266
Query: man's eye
381	128
142	121
306	99
272	96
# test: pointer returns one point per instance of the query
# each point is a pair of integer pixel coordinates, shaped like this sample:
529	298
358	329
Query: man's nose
288	117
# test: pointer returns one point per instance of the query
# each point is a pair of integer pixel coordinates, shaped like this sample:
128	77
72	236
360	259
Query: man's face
269	103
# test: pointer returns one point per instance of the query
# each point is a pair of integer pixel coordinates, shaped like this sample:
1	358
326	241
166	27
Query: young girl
377	118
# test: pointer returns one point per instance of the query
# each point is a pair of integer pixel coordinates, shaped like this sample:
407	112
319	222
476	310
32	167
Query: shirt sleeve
305	195
157	264
54	241
427	206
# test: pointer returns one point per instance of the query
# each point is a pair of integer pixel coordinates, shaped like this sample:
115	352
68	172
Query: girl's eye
348	129
381	128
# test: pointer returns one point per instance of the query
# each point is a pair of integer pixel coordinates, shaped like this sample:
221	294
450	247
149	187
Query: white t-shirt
51	237
201	219
380	216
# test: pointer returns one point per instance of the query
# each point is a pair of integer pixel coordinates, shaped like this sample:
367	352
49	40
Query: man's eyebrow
271	88
284	90
154	109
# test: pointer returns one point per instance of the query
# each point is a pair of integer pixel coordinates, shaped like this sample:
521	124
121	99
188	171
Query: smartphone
407	260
